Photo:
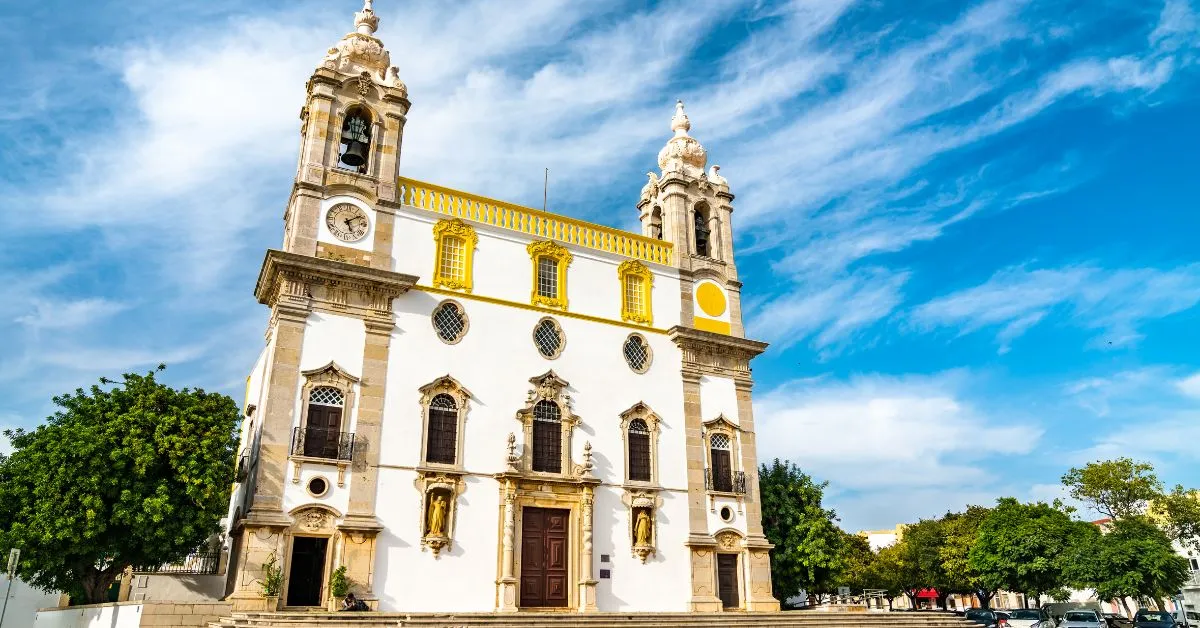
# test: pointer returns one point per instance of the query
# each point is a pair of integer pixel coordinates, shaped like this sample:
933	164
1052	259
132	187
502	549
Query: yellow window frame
454	228
645	314
562	257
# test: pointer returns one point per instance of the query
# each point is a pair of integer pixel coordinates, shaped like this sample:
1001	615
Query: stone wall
132	615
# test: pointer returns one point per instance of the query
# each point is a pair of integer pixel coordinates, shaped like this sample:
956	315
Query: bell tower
692	210
352	127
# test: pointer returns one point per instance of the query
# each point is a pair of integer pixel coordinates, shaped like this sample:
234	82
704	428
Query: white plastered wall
718	397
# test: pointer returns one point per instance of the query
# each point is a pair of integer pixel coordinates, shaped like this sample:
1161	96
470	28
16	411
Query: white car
1028	618
1082	618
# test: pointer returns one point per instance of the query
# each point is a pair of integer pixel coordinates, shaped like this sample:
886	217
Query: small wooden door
544	543
727	580
307	571
323	431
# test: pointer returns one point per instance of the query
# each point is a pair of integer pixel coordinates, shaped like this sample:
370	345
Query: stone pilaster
587	580
759	596
506	586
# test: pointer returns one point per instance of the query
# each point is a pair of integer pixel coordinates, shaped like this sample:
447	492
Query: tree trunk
1125	605
96	583
941	599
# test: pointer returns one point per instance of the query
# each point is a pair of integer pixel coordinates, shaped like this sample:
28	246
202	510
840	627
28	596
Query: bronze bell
355	155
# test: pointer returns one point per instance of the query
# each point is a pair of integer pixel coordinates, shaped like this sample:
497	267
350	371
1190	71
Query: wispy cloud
48	314
1113	302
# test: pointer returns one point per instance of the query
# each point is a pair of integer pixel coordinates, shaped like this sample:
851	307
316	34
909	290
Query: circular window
637	353
318	486
726	514
548	338
450	321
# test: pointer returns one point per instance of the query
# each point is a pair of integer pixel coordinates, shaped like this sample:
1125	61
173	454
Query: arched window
547	437
639	451
442	434
322	432
720	453
356	139
656	227
702	233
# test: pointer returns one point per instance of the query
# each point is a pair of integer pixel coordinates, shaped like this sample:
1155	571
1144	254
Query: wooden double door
545	542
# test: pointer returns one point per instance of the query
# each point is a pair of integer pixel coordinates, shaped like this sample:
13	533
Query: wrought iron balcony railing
204	563
318	443
725	483
243	468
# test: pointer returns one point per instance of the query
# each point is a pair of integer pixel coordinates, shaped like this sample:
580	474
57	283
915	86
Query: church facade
471	405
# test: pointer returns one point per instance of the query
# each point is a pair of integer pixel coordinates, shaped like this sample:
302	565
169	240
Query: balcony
323	444
243	468
725	483
204	563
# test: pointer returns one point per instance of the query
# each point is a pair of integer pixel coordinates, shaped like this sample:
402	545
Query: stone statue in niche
437	516
643	533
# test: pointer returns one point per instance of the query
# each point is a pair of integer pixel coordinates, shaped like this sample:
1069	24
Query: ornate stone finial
365	21
679	122
587	458
714	176
650	190
682	152
512	458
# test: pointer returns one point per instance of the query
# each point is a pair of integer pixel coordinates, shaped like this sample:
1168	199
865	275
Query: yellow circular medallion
711	299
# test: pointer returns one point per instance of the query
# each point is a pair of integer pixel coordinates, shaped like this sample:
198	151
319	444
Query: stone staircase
794	619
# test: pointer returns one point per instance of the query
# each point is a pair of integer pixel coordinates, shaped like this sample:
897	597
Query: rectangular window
639	457
634	293
547	277
452	265
547	447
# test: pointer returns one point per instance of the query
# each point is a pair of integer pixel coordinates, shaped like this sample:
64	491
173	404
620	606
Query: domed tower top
360	52
682	152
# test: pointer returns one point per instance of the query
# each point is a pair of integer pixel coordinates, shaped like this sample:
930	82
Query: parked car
1116	620
987	618
1153	619
1082	618
1027	618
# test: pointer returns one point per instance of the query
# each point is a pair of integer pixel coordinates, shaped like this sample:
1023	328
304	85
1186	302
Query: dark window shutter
547	438
639	451
721	470
322	431
441	441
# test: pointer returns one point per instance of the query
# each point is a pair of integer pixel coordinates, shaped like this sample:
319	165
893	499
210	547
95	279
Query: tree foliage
921	558
854	563
1115	488
808	544
959	533
886	572
136	473
1179	512
1134	559
1020	547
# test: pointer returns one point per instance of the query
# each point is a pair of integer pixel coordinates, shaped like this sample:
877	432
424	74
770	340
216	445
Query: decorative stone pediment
729	539
330	374
549	386
315	519
720	424
447	385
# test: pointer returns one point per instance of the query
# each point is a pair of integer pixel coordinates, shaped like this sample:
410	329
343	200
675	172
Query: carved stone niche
439	493
643	505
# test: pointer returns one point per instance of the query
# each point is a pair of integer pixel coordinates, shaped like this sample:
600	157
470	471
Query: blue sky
967	228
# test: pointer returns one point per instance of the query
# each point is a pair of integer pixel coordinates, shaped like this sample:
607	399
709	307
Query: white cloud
1113	302
53	314
882	432
1190	385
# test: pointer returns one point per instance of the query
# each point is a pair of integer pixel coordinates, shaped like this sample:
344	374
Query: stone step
557	620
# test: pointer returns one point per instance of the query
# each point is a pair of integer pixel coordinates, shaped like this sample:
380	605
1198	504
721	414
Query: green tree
921	549
960	532
136	473
886	573
1115	488
1179	512
1134	559
1021	547
808	550
855	564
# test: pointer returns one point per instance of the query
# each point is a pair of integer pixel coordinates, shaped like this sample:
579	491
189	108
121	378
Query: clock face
348	223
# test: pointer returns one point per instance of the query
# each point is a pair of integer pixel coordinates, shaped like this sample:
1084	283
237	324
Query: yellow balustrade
534	222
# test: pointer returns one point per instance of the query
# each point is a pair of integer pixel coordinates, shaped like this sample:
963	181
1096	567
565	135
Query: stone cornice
708	353
290	281
686	337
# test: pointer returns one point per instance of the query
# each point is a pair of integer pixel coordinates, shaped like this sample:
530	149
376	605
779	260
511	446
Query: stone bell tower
693	210
352	127
336	260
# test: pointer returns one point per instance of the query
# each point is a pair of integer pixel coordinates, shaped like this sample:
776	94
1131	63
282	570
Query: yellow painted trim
537	223
454	228
562	257
634	268
708	324
534	308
